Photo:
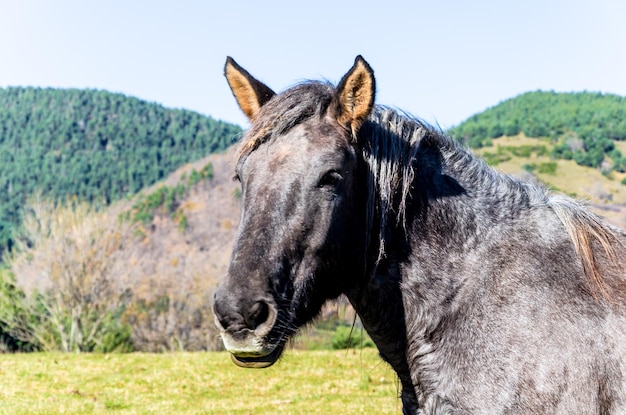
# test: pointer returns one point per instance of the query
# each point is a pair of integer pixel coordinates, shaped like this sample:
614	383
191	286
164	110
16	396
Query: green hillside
524	156
583	126
574	143
94	145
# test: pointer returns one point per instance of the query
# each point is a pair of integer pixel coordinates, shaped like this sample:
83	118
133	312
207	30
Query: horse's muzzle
244	331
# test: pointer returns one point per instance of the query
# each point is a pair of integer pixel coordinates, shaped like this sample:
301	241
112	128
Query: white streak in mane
390	142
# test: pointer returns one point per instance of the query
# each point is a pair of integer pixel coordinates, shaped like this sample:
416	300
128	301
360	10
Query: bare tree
171	309
72	261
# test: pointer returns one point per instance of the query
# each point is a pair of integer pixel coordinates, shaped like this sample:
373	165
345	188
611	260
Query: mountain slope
583	126
93	145
530	159
572	142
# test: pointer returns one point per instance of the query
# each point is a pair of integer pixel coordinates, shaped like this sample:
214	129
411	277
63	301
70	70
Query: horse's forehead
306	143
284	154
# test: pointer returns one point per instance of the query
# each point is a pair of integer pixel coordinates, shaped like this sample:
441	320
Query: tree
14	325
71	253
95	145
595	119
90	283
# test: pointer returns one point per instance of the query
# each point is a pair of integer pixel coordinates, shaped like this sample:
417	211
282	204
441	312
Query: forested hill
94	145
583	126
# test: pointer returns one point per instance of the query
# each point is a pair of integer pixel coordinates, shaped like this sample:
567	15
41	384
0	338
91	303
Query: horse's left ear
355	95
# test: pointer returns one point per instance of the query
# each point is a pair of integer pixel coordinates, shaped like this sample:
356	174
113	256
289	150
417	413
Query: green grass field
303	382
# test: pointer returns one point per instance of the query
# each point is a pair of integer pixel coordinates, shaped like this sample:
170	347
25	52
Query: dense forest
584	126
94	145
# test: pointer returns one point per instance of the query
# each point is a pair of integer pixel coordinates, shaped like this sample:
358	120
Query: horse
486	294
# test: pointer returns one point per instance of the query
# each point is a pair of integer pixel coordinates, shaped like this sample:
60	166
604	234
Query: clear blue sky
440	60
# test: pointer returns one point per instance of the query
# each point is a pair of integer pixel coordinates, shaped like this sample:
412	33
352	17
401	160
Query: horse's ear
250	93
355	95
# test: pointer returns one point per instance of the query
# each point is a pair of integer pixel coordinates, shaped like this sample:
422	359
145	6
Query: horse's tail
586	228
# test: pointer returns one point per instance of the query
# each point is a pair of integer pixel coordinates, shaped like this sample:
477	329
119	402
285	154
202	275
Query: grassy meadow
302	382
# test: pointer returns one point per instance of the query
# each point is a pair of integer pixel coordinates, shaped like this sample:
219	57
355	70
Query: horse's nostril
257	315
224	322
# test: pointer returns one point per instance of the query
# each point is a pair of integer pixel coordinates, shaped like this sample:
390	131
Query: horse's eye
330	179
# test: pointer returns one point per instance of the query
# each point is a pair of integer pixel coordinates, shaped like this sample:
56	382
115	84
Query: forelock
286	110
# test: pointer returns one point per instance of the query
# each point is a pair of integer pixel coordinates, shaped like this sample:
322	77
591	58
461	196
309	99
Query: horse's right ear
355	95
250	93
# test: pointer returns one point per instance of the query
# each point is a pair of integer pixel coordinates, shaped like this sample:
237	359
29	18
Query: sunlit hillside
529	158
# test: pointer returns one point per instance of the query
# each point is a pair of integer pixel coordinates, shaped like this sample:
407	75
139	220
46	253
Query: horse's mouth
257	362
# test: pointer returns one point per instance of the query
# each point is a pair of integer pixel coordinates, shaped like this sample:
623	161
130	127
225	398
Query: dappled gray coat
486	295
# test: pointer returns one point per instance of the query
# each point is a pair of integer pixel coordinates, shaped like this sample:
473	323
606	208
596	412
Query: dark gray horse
485	294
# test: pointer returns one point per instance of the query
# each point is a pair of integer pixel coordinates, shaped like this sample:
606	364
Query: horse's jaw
257	362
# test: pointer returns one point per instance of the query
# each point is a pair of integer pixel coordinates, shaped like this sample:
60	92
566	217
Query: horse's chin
258	362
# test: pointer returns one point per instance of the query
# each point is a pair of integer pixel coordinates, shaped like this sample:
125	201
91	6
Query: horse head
301	239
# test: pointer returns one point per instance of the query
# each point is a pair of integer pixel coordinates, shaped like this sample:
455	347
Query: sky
442	61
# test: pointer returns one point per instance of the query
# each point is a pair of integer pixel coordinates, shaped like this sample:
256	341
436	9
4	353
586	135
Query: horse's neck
464	209
462	200
378	303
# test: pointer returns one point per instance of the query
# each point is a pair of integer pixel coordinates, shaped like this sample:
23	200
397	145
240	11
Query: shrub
14	319
527	150
347	337
493	159
548	168
205	173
